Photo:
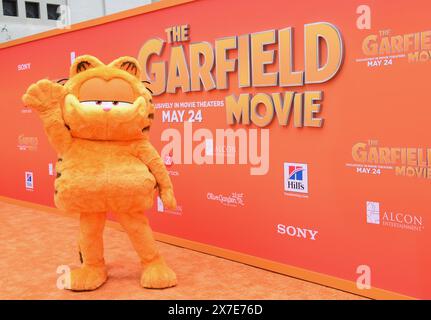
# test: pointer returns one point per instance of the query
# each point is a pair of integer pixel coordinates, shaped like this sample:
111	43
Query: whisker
148	82
62	81
149	90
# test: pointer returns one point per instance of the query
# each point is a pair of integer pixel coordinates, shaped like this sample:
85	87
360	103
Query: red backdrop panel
384	107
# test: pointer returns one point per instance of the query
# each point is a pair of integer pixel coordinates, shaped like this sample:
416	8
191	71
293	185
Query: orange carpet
34	243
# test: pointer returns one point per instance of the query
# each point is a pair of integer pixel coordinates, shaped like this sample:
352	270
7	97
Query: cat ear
84	63
128	64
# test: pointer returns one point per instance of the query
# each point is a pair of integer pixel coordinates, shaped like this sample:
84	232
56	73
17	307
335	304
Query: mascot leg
92	273
156	273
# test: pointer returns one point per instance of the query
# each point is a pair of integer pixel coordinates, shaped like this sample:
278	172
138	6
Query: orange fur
98	123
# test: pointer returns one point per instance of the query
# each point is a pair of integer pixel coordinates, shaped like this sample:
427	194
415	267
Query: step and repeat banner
294	131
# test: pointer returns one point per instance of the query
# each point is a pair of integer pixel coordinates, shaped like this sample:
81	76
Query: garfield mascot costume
99	122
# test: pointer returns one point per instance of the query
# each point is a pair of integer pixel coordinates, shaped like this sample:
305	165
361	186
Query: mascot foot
157	275
87	278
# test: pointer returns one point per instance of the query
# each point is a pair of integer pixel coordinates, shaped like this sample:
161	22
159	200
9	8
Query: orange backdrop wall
349	198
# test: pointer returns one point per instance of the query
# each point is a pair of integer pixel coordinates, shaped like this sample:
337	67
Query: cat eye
100	103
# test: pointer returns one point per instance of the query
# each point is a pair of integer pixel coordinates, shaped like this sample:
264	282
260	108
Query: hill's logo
295	177
29	182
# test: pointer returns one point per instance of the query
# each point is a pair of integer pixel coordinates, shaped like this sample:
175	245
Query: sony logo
297	232
24	66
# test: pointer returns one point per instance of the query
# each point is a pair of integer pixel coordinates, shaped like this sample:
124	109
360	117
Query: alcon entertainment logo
376	214
296	177
373	212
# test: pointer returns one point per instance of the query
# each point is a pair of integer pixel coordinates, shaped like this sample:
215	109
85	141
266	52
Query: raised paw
87	278
44	95
157	275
